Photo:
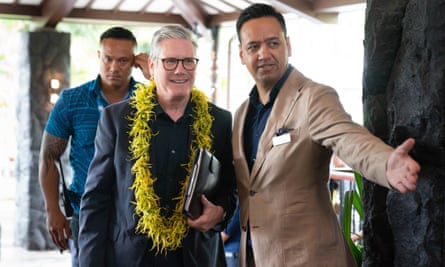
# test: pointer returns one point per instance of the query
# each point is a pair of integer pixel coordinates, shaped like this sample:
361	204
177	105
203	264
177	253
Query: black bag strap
61	172
65	192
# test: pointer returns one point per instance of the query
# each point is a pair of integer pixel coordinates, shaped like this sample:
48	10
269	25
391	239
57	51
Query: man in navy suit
131	211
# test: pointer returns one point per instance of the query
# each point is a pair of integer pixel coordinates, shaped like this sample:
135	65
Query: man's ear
151	66
289	48
241	54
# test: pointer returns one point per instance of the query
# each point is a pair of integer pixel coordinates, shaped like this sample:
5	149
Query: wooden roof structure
197	14
202	16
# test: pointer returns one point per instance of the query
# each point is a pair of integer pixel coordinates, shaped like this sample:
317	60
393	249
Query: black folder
203	180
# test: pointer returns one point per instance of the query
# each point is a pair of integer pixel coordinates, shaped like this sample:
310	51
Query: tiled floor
10	255
17	257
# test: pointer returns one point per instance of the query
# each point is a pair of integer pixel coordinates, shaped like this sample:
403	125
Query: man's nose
180	67
263	52
114	64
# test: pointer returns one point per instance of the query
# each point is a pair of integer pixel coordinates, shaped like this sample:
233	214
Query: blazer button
252	193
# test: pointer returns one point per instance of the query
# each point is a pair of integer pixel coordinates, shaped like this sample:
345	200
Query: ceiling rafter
211	6
125	16
231	5
302	8
193	13
199	15
21	10
90	4
145	7
53	11
118	5
221	18
218	9
170	10
334	5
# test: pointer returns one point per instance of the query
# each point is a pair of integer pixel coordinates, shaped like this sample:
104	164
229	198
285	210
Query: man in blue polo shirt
74	120
231	237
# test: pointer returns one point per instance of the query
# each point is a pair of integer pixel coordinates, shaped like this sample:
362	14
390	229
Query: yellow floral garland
165	232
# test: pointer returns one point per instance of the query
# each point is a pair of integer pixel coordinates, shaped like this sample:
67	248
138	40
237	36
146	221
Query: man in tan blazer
283	139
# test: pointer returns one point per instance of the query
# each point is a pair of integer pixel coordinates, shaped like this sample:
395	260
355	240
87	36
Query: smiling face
173	85
264	50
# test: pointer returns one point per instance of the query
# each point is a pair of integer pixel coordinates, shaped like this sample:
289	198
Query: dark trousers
232	259
250	259
72	242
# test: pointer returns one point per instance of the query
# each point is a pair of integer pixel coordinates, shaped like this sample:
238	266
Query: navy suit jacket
107	222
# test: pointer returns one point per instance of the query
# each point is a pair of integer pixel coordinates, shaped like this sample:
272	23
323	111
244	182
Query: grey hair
170	32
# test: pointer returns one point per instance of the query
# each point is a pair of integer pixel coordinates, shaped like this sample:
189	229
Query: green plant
353	201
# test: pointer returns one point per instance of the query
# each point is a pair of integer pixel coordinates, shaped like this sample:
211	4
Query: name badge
281	139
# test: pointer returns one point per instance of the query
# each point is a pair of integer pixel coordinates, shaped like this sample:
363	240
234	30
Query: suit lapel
238	136
281	111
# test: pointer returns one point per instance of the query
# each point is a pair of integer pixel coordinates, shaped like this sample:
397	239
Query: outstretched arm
402	170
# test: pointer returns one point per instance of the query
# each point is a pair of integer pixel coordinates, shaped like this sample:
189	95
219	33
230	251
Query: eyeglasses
188	63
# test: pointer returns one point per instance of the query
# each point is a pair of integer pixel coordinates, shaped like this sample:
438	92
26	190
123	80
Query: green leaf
359	183
347	211
357	203
353	200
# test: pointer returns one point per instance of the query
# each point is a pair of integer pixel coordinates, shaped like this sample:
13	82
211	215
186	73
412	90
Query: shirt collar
158	109
97	89
254	96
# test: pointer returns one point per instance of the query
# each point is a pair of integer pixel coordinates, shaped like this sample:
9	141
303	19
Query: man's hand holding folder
203	180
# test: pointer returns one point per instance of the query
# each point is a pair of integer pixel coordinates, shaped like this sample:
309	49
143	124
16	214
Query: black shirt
169	152
257	116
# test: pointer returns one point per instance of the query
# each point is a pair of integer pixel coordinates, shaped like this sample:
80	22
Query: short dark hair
256	11
118	33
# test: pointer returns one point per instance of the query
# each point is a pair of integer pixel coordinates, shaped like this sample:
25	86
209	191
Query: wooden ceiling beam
53	11
144	7
21	10
104	15
90	4
212	7
231	5
88	14
305	8
193	13
217	19
118	5
335	5
298	6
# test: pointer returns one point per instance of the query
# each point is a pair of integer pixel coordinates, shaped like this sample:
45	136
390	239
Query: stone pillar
404	96
45	56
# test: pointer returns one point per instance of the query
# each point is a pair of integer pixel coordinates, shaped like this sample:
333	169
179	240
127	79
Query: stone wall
404	96
46	56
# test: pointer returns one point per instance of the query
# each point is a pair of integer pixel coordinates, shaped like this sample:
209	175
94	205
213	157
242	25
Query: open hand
59	229
141	62
402	170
